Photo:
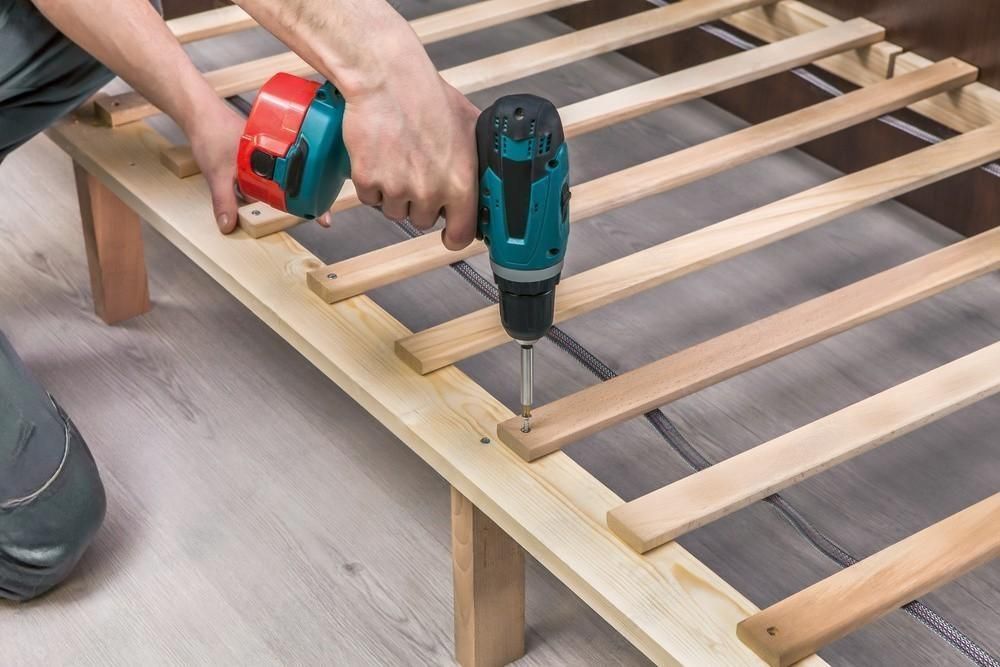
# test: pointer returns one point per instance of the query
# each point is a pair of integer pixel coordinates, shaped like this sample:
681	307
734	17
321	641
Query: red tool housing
272	127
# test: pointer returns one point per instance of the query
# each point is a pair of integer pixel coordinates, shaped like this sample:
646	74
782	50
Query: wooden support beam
112	235
593	409
489	588
494	70
800	625
548	54
479	331
211	23
667	513
408	258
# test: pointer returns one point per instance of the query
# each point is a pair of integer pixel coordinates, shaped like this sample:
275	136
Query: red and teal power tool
292	154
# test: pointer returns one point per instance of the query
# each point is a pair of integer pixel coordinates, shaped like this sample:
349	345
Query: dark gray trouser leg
51	497
43	75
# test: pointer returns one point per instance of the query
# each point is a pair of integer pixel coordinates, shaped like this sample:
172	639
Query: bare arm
410	135
131	39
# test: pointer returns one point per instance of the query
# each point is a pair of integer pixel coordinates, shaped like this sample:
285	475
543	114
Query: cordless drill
524	218
292	157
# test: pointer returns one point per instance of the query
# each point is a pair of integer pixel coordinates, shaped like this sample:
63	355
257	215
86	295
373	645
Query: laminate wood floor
258	516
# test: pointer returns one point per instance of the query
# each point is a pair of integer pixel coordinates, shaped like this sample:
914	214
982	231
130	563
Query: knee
44	533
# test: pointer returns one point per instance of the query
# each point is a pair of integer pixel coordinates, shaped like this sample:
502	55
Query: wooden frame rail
531	496
408	258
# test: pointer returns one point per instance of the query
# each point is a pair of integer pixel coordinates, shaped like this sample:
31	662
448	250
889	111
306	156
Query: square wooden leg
489	588
113	237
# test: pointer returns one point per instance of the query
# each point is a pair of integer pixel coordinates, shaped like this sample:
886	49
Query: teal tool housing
316	166
524	208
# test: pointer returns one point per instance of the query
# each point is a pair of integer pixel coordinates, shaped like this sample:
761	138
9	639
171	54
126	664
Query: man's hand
214	139
413	154
410	135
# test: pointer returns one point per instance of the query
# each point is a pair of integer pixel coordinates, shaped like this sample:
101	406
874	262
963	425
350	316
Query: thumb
224	204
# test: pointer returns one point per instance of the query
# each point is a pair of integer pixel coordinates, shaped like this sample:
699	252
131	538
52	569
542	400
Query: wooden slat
551	53
974	106
789	17
479	331
180	161
129	107
669	604
576	416
800	625
408	258
699	499
211	23
641	98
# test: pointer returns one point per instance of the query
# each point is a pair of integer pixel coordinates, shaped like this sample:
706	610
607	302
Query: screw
331	276
484	440
256	211
772	631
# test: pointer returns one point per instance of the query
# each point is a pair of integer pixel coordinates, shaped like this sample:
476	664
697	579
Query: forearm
132	40
360	45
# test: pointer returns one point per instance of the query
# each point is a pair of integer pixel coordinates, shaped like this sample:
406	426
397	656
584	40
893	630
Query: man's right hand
413	154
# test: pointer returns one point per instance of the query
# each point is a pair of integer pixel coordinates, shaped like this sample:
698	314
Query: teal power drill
524	218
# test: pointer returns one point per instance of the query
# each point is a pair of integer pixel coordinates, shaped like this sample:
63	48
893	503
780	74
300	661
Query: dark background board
968	202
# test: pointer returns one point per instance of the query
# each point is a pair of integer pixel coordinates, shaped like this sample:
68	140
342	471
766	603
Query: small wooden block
180	161
489	588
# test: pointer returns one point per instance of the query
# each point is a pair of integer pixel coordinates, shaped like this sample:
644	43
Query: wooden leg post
113	237
489	588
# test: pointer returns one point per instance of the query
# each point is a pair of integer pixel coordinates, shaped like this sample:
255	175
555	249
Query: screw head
256	211
484	440
331	276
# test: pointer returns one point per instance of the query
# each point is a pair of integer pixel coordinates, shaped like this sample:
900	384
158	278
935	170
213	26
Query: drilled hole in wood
772	631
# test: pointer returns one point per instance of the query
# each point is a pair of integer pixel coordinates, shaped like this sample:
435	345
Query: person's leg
43	75
51	497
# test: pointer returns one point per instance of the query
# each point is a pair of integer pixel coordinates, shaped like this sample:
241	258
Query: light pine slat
578	415
408	258
479	331
800	625
669	604
129	107
789	17
621	105
689	503
551	53
211	23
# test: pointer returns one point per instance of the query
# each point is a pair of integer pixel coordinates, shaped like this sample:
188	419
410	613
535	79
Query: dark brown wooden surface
968	203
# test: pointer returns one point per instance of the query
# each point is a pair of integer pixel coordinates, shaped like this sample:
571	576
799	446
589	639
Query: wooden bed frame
523	493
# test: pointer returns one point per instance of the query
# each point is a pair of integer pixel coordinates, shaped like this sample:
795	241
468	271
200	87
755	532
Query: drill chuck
527	308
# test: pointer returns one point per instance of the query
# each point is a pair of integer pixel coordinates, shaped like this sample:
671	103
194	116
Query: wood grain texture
179	160
568	419
476	332
132	106
667	513
347	541
549	54
800	625
489	588
670	606
855	148
380	267
784	19
211	23
112	234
